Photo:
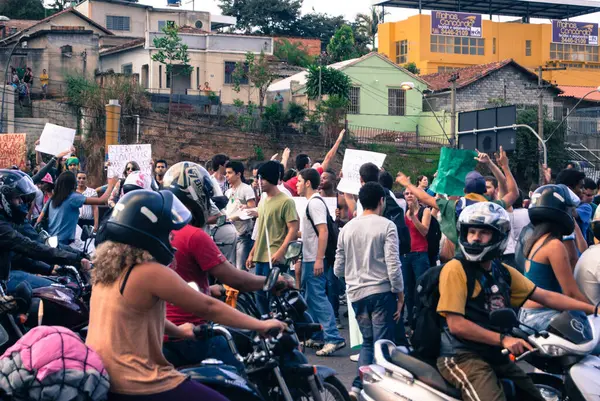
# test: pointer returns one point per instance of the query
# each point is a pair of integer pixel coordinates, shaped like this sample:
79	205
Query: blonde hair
112	258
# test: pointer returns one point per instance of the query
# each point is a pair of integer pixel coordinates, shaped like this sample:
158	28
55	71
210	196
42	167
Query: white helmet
483	215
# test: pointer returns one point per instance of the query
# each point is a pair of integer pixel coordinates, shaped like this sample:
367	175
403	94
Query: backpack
333	233
434	235
427	323
395	213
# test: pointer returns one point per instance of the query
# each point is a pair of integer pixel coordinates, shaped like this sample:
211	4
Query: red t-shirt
196	255
291	183
418	243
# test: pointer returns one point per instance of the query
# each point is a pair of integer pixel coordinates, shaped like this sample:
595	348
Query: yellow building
530	45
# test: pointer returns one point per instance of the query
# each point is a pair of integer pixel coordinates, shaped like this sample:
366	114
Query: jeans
17	276
192	352
414	264
375	317
242	250
262	297
318	304
333	290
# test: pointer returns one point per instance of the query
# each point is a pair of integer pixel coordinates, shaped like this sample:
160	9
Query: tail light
368	375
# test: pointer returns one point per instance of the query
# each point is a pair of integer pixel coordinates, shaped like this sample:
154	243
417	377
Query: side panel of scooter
584	376
391	389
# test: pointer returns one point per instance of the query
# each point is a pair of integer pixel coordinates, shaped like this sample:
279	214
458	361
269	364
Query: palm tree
368	24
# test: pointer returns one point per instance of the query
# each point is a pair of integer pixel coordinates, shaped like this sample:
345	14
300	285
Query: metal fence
408	140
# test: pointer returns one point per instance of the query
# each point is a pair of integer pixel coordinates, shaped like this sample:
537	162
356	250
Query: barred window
396	102
117	23
568	52
127	69
354	106
402	52
454	45
528	48
230	68
447	69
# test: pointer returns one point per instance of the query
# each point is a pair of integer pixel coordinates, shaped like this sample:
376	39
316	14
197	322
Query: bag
333	233
434	236
395	214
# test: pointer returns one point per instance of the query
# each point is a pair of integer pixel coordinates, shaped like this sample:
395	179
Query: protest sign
13	150
55	139
353	159
301	203
120	155
453	167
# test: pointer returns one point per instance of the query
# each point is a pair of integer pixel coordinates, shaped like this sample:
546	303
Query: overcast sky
349	8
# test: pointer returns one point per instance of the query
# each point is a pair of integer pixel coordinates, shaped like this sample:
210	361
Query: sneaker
343	300
354	393
310	343
354	358
330	348
338	324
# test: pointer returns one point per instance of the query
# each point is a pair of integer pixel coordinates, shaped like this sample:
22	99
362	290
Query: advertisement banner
450	23
576	33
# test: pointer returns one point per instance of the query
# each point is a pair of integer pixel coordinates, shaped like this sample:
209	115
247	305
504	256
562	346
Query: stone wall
55	112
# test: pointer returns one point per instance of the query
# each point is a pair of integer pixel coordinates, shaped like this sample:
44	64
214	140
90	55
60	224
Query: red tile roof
579	92
439	82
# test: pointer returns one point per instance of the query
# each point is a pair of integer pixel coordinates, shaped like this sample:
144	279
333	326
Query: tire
551	387
334	382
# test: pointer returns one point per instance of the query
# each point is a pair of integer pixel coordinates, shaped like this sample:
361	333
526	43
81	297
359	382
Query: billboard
450	23
576	33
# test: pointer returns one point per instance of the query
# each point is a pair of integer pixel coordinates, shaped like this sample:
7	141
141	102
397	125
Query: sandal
330	348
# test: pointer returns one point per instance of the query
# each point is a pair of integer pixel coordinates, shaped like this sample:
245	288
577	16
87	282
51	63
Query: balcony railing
232	43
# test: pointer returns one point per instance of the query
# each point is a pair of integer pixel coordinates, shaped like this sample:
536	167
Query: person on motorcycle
547	264
587	270
196	258
470	352
131	287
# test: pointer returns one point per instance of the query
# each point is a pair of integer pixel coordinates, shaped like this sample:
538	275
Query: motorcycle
564	349
11	323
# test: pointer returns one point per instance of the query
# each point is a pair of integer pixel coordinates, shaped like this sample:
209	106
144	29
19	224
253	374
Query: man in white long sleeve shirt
368	257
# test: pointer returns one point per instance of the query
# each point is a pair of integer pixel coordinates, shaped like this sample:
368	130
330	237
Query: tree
23	9
317	25
259	74
172	52
292	53
369	23
412	67
341	46
332	82
268	17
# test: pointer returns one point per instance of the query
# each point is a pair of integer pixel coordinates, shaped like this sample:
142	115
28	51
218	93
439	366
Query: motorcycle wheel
551	388
333	390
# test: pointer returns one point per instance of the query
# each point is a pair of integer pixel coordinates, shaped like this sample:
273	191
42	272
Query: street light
410	86
571	111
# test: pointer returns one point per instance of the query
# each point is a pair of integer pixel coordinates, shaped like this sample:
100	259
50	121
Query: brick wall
312	46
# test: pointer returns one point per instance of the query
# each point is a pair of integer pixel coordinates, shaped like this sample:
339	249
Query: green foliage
333	82
238	103
411	162
292	53
263	16
341	46
297	112
412	67
368	24
259	153
258	71
317	25
274	120
172	51
23	9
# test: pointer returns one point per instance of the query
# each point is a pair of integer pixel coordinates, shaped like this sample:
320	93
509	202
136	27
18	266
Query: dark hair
64	187
312	175
257	165
570	177
588	183
218	161
538	232
237	167
492	179
281	171
301	161
518	203
291	173
420	178
331	171
161	161
399	195
369	172
386	180
136	167
370	195
80	172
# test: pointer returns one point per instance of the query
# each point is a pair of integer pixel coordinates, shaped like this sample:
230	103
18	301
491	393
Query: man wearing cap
475	189
73	165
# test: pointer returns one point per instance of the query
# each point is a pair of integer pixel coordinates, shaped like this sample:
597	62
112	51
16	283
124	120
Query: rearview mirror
504	319
53	242
271	279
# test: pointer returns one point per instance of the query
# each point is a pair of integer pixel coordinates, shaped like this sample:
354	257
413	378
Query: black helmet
483	215
14	213
145	219
21	182
192	185
552	203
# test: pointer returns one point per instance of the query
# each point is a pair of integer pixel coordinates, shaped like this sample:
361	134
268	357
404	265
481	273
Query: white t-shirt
283	189
519	218
587	273
86	212
400	202
240	195
310	240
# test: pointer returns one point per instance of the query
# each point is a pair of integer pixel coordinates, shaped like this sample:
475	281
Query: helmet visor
26	188
180	215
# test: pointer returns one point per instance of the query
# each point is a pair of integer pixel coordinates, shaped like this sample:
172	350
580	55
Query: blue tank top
541	274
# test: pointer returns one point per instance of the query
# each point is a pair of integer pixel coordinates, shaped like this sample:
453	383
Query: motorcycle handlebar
204	331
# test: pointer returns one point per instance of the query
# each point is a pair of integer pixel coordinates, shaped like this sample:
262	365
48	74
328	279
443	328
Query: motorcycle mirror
194	286
504	319
53	242
293	250
271	279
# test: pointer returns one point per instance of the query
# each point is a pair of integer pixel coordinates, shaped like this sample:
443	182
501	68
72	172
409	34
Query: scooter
564	349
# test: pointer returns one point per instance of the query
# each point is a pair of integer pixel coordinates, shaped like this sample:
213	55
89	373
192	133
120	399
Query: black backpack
333	231
434	235
395	213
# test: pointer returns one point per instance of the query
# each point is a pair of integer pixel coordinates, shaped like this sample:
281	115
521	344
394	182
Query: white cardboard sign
120	155
55	139
353	159
301	203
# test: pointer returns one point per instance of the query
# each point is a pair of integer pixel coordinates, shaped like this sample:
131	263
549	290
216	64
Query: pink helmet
48	179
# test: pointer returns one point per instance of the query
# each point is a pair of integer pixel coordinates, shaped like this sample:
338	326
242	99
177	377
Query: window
454	45
66	50
168	80
160	76
396	102
229	68
198	77
127	69
402	52
447	69
494	46
354	106
528	48
116	23
162	24
568	52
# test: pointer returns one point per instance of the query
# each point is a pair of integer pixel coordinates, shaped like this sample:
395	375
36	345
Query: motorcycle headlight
555	350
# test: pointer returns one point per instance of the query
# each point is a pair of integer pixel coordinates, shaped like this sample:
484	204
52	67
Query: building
377	100
416	39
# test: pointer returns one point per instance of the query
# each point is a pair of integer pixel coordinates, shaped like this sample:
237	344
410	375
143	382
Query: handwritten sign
573	32
13	150
353	159
450	23
55	139
302	202
120	155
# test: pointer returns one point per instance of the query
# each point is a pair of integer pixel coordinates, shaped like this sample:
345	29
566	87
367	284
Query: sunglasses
129	168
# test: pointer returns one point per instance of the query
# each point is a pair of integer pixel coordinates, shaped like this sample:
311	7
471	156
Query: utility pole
452	81
113	119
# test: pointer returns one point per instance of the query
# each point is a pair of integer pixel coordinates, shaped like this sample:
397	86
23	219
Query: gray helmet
483	215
